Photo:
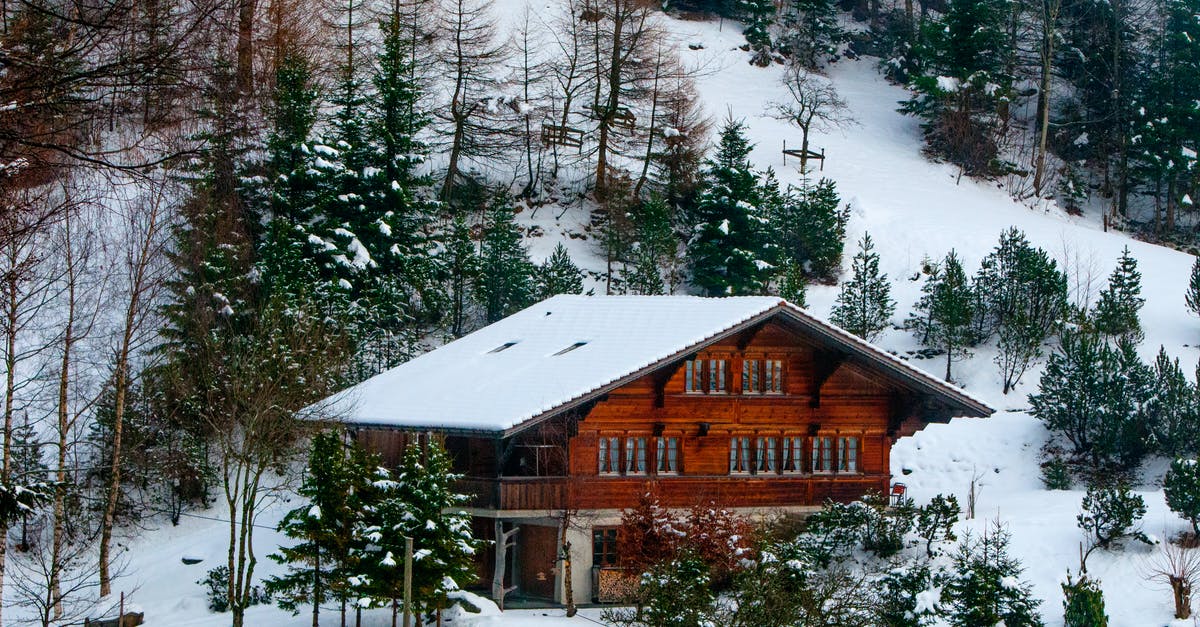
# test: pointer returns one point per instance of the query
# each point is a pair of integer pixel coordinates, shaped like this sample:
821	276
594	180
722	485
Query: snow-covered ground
914	209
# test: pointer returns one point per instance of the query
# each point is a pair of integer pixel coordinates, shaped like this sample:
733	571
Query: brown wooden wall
822	396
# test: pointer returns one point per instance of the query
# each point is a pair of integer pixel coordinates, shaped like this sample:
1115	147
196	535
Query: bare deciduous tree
1179	568
814	106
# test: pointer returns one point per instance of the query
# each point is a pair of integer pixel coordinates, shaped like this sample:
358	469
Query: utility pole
408	559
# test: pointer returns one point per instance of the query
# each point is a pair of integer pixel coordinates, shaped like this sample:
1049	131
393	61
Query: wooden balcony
622	492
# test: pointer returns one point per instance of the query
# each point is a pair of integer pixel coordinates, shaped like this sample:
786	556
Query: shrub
834	531
1083	603
936	520
675	593
1182	489
1109	515
216	582
884	528
1056	475
906	598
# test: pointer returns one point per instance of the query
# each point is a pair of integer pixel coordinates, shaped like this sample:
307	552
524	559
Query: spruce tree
460	266
984	588
793	286
654	250
319	565
809	31
1171	410
808	228
1117	310
416	501
759	17
558	274
943	315
1192	297
505	282
727	248
864	306
1067	400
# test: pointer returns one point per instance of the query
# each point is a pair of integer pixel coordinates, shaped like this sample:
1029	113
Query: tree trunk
245	47
1049	19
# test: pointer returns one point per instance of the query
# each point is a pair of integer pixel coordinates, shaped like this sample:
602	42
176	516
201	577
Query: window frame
666	453
741	455
608	455
849	454
708	375
792	454
604	546
634	456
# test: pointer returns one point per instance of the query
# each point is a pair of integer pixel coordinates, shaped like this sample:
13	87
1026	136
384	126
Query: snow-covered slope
914	209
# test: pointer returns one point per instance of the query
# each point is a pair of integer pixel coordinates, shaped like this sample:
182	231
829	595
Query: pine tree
654	250
1171	410
759	17
809	31
559	275
320	564
1097	396
942	318
984	587
1181	487
793	286
460	265
505	282
1192	296
808	227
1110	514
864	306
416	501
727	249
1083	603
1022	298
1117	310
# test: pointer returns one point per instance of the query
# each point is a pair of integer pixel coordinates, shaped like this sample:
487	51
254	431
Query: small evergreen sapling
1117	310
936	519
1056	474
1172	409
559	275
864	306
1083	603
943	316
1181	487
1111	514
984	587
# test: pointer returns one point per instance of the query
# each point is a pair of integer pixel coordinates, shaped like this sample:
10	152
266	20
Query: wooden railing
551	493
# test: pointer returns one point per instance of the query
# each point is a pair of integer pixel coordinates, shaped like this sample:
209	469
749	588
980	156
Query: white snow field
914	209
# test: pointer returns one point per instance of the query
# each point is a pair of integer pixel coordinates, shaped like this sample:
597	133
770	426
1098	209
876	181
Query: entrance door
537	548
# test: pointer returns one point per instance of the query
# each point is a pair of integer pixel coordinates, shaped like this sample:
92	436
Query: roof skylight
569	348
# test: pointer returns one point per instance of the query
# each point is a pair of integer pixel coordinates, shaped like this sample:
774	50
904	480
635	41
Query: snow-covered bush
675	593
1083	603
216	585
909	596
936	519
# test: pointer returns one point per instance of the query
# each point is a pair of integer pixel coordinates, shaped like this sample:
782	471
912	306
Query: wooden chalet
579	404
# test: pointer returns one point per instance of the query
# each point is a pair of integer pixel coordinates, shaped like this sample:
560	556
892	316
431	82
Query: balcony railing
621	492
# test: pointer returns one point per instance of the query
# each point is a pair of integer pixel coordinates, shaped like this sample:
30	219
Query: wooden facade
767	418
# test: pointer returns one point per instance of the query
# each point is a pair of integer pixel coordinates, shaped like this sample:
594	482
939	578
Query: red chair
898	490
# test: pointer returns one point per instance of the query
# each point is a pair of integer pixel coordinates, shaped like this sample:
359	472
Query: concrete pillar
581	566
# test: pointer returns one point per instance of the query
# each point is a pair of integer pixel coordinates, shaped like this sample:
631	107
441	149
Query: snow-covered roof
564	350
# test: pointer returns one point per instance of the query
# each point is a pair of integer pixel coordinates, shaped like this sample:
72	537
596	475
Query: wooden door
537	549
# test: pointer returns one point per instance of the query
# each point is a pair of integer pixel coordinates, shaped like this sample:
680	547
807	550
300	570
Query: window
503	347
765	456
569	348
762	376
739	455
793	454
604	546
635	456
705	376
716	376
668	456
610	456
750	371
822	454
773	376
847	454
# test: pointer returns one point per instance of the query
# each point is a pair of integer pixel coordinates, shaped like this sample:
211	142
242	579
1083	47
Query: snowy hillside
915	210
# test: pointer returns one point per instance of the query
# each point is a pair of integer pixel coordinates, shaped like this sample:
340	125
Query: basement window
503	347
569	348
